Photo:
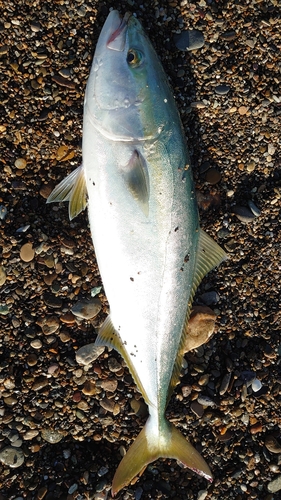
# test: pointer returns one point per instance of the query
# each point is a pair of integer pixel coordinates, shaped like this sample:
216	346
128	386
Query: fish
136	180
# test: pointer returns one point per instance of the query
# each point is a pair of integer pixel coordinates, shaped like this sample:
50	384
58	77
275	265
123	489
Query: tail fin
152	444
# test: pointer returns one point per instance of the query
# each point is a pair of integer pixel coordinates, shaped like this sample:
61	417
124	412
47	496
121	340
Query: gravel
63	426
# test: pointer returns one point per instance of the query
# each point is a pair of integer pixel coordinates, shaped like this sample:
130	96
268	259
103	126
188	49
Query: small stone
274	485
30	434
243	110
256	385
256	211
87	309
109	385
197	409
36	344
20	163
3	210
27	252
10	401
107	404
189	40
186	390
52	436
139	407
35	26
210	298
3	276
222	89
113	365
13	457
272	444
88	353
213	176
202	494
200	327
254	429
205	400
39	383
89	388
228	36
225	383
243	214
251	166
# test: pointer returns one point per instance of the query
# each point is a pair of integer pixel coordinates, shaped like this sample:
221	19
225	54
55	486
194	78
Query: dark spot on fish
132	279
186	259
181	268
176	229
94	183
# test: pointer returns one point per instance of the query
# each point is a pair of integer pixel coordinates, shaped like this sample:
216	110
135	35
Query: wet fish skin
144	222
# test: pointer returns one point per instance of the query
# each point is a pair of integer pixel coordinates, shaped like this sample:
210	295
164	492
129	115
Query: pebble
275	485
88	353
213	176
210	298
3	212
225	383
89	388
272	444
109	385
256	211
3	276
13	457
113	365
197	409
201	327
189	40
243	214
52	436
27	252
87	309
222	89
36	344
139	407
256	385
20	163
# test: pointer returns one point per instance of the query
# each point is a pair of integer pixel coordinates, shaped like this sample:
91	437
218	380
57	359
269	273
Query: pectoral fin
136	178
72	189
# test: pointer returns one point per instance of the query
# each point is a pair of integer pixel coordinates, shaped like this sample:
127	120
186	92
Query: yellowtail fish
144	222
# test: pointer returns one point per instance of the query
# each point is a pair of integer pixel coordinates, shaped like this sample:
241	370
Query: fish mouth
117	39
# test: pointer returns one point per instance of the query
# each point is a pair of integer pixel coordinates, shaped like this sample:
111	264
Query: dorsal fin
72	189
209	255
136	177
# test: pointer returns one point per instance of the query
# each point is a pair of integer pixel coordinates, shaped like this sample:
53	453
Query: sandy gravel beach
65	427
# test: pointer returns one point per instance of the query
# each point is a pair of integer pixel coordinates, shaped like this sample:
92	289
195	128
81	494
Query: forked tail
153	443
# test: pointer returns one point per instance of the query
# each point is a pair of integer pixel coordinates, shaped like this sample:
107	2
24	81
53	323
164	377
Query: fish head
127	84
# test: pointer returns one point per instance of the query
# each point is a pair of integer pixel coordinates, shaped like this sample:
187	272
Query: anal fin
109	337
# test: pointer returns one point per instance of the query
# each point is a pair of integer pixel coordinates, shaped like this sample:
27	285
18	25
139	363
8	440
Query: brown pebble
200	327
20	163
76	397
63	82
27	252
39	383
32	359
272	444
68	318
213	176
254	429
107	404
46	190
242	110
109	385
89	388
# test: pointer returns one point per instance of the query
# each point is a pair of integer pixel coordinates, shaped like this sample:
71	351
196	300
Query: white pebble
256	385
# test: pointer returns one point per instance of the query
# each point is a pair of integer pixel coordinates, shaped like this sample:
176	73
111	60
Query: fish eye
134	58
